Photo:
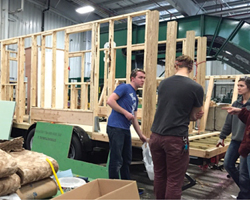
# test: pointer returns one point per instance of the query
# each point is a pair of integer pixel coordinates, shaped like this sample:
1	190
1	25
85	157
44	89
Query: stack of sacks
9	180
34	171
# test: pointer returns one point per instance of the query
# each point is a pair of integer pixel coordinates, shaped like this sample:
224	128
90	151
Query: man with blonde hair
180	101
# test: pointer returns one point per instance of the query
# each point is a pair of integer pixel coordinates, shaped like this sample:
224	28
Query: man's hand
232	110
143	138
220	142
129	116
199	114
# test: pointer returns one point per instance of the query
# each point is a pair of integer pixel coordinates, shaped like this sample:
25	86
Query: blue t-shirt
127	100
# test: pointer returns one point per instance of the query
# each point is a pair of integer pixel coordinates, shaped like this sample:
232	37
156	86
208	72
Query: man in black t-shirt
180	101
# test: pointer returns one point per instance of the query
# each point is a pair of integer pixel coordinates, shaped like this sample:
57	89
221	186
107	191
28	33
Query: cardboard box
104	189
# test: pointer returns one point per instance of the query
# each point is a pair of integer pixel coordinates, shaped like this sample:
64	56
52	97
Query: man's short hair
184	61
134	72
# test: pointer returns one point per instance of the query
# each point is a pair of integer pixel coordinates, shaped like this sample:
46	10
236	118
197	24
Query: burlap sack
8	165
32	166
9	184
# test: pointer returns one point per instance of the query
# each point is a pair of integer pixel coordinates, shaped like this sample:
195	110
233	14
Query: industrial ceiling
169	9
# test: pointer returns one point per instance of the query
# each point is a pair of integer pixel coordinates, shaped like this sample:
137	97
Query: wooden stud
235	91
66	71
43	57
72	97
83	102
129	52
53	88
206	105
3	71
20	92
170	48
34	72
150	63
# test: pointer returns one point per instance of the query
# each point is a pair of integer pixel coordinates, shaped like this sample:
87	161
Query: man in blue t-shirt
124	103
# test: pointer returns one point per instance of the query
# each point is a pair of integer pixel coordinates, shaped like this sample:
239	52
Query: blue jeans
230	158
244	180
120	152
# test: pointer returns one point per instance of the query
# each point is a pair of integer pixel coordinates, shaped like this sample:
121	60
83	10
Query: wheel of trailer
29	138
75	149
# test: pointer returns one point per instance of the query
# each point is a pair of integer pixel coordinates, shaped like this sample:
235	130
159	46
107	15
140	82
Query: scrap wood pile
19	168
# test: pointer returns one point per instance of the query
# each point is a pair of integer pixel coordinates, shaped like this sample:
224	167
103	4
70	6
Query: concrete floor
210	183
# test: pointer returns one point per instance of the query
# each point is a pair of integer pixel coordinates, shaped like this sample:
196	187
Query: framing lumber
235	91
150	63
129	51
53	96
33	90
62	116
170	48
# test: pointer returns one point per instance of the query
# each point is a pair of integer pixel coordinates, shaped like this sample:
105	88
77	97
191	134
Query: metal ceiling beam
186	8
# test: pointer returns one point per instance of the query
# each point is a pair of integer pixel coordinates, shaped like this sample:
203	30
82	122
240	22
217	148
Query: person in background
235	126
180	100
124	103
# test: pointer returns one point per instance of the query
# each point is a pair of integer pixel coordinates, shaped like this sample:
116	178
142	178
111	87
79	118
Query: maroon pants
170	165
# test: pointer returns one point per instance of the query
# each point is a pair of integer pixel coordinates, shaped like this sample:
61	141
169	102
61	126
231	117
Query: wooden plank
235	91
191	138
206	105
96	30
72	97
20	92
10	41
170	48
201	68
224	77
83	28
3	71
53	88
105	79
111	61
62	116
150	63
129	52
137	47
34	71
82	97
66	73
43	57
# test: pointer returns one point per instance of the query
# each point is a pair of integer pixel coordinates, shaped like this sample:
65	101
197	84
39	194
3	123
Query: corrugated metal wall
30	21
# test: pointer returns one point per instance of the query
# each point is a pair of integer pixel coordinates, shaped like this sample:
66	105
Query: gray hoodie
233	124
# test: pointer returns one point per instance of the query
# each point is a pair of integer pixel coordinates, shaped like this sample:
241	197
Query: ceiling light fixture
85	9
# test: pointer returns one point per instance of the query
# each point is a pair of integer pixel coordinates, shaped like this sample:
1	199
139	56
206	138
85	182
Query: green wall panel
242	38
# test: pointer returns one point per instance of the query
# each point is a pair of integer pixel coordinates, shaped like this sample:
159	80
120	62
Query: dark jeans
230	159
170	165
120	152
244	180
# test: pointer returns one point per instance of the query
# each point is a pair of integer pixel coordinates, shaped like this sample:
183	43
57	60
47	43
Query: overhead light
85	9
228	52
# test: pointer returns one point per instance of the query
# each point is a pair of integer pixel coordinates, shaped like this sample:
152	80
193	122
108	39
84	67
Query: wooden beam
170	48
53	88
150	64
235	91
3	71
20	92
206	105
33	84
79	29
66	71
62	116
43	57
82	80
129	51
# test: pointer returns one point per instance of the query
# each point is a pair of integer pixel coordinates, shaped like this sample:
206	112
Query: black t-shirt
177	95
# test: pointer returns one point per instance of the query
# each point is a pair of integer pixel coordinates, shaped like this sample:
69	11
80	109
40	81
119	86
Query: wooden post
170	48
129	52
66	71
82	81
20	92
190	46
33	83
53	88
201	67
43	55
150	64
235	92
95	70
3	71
207	102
